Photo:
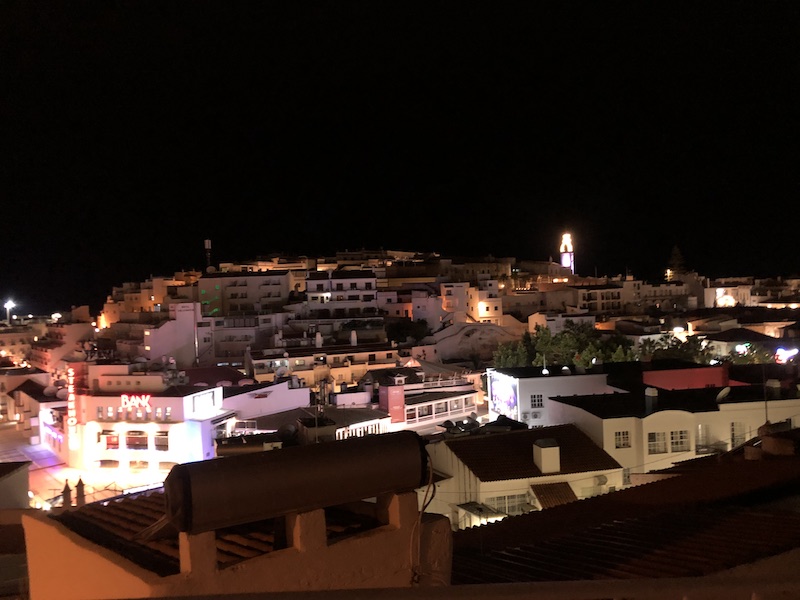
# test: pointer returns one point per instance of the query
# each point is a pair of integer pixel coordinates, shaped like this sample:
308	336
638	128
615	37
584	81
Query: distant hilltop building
567	252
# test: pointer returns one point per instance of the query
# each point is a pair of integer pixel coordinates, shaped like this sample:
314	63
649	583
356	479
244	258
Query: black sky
132	131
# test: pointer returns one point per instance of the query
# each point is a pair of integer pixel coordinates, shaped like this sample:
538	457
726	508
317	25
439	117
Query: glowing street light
9	305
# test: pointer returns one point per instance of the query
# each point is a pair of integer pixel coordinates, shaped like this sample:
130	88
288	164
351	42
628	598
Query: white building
129	418
520	393
653	428
483	477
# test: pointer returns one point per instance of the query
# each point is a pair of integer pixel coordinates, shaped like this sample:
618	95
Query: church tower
567	253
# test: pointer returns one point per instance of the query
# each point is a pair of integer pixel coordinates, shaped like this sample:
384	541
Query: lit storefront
134	431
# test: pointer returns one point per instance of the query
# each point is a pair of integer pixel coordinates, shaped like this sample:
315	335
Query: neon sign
134	401
72	413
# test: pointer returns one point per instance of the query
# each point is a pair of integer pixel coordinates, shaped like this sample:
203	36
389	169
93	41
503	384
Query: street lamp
9	305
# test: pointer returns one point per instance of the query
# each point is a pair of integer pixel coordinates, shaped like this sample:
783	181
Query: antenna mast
207	246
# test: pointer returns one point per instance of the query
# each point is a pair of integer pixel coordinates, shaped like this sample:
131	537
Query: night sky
133	130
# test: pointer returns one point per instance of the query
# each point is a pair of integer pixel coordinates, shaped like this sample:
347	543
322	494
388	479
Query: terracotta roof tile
553	494
509	455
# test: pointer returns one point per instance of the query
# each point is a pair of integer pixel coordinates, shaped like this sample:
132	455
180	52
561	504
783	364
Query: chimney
650	400
773	389
547	455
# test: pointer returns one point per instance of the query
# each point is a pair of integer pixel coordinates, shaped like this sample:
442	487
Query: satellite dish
447	424
50	390
211	269
281	371
287	432
225	383
60	383
62	394
246	381
201	384
723	393
140	359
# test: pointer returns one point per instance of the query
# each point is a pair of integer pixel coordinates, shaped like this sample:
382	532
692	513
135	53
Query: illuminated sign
134	401
72	414
503	399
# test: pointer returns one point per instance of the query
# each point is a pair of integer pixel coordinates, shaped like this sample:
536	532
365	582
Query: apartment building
648	428
521	393
132	417
72	335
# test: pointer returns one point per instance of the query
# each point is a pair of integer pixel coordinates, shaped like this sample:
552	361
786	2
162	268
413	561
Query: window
515	504
424	410
657	442
110	412
622	439
411	414
679	440
162	441
136	440
626	476
100	413
168	413
440	408
537	401
738	436
112	442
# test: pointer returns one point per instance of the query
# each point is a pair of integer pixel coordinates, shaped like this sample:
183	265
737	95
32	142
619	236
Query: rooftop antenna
207	246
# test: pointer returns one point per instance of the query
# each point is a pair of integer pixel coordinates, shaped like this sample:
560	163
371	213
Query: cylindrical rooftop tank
222	492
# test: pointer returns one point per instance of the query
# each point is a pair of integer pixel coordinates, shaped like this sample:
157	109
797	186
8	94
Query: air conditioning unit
525	416
535	415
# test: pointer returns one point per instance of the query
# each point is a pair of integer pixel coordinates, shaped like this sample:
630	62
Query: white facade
459	486
484	303
112	416
523	394
556	322
662	438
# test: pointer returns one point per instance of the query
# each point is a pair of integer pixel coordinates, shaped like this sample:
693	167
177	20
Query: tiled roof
685	543
553	494
718	515
509	455
114	525
723	482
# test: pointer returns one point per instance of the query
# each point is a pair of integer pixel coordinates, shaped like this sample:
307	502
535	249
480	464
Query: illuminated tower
567	254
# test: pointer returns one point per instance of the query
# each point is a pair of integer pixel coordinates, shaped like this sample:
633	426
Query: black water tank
232	490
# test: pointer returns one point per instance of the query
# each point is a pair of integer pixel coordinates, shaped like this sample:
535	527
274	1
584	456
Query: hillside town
399	400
